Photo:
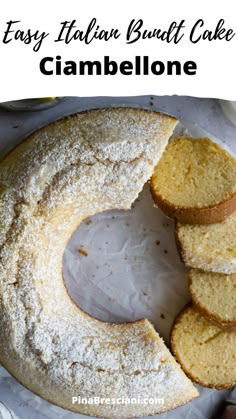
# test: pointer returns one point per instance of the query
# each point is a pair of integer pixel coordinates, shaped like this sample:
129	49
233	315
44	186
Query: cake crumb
88	222
158	242
83	252
165	251
162	316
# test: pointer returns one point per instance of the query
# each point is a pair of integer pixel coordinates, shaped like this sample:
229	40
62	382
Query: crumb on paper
165	251
166	224
162	316
83	251
158	242
151	103
144	293
88	222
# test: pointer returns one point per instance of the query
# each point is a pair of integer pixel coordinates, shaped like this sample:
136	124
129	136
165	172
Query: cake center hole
123	265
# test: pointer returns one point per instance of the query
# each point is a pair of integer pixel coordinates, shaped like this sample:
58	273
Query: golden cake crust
208	215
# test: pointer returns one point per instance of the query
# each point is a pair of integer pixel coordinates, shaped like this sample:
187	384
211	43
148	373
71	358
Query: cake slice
205	352
214	295
195	181
211	247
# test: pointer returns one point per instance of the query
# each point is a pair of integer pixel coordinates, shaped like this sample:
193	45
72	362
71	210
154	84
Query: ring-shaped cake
72	169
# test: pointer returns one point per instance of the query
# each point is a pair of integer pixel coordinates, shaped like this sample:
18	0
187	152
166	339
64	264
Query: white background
19	71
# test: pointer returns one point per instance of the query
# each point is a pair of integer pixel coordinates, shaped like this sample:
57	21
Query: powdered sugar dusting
79	166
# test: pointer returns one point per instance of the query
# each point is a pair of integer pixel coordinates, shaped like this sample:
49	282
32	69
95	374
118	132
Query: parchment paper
132	270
